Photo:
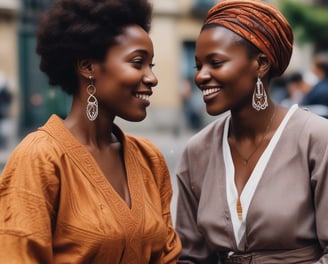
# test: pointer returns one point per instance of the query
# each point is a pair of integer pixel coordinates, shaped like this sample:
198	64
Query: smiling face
226	73
125	79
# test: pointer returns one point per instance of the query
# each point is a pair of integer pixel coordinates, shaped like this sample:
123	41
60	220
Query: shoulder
32	168
201	147
310	120
33	164
309	126
142	145
146	153
37	149
37	143
208	135
150	159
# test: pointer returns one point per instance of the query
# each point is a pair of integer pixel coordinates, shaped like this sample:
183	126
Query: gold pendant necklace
246	160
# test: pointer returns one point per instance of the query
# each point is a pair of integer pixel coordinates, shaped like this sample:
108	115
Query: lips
207	92
142	96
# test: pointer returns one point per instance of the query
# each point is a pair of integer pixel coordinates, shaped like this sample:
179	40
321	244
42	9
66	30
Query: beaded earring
92	105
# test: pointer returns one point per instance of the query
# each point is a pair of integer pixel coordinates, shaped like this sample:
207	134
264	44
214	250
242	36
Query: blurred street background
177	110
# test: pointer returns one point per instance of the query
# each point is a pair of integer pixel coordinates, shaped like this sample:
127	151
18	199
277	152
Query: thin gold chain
246	160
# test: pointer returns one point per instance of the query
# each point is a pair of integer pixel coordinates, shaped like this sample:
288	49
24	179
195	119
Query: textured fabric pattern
56	206
259	23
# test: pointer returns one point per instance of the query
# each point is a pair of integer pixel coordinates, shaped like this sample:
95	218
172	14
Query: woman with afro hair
80	190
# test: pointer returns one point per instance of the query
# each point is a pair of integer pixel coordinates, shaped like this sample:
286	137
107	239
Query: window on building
200	7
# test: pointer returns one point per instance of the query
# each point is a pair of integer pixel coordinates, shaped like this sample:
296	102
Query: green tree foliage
310	23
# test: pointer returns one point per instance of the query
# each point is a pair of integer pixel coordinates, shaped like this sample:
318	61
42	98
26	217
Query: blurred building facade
176	25
9	75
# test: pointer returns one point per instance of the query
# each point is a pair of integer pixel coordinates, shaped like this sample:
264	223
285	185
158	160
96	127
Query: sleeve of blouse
194	247
28	187
319	179
173	244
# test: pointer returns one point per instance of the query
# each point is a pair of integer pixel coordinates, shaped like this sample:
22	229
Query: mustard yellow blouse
56	206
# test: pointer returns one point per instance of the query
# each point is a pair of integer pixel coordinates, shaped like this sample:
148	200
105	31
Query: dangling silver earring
260	99
92	106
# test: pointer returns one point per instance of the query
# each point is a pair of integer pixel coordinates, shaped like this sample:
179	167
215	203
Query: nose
150	78
202	76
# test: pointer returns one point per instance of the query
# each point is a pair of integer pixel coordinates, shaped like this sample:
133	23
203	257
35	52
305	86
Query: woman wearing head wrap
253	185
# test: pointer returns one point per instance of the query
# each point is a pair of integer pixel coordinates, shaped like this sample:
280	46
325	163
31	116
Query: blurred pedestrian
192	106
296	87
278	91
5	102
80	190
5	97
253	185
318	95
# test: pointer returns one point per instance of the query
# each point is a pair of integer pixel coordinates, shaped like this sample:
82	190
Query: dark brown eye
216	63
138	62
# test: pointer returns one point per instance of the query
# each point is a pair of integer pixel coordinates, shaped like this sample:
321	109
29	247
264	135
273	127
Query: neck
96	134
252	124
252	137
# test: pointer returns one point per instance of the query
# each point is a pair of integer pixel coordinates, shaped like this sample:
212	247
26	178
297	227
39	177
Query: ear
85	68
264	65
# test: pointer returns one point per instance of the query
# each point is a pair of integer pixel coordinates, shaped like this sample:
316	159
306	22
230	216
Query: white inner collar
250	187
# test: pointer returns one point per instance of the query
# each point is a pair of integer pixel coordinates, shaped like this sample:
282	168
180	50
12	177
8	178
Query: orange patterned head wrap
259	23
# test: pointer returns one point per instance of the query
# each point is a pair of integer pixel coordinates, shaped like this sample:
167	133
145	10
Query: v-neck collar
247	194
87	164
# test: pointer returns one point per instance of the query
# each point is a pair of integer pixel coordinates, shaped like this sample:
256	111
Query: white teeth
142	96
210	91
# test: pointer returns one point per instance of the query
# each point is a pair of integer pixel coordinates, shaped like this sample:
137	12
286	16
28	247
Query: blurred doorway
37	99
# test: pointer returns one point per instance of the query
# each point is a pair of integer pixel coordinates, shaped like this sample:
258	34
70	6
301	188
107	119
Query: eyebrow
142	51
209	56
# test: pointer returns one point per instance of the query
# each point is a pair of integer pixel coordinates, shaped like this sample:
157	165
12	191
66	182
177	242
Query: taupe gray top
287	217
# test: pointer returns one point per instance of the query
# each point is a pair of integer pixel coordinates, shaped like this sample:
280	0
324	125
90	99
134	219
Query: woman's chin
136	118
213	112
